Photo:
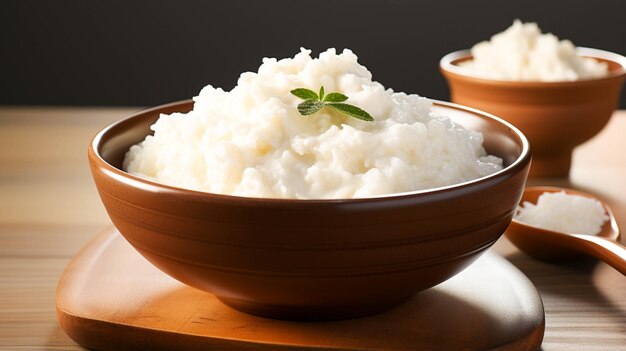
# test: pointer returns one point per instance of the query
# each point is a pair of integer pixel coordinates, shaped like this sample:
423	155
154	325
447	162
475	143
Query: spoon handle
606	250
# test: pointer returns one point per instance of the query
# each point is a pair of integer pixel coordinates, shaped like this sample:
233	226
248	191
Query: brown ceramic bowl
555	116
311	259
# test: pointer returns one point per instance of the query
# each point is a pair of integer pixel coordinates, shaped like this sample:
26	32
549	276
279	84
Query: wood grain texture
111	298
49	209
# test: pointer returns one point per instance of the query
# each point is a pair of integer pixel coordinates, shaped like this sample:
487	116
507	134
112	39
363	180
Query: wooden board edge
531	342
95	335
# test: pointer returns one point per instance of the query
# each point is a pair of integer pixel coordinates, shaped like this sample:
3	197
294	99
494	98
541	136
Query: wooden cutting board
111	298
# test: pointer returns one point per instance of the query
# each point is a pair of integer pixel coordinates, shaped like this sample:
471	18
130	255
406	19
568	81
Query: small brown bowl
311	259
555	116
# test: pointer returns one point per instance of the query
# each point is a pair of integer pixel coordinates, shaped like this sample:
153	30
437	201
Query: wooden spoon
553	246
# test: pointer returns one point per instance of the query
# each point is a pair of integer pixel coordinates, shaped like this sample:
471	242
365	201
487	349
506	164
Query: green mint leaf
309	107
335	97
305	94
350	110
313	103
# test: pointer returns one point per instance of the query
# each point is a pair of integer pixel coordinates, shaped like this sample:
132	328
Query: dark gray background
66	52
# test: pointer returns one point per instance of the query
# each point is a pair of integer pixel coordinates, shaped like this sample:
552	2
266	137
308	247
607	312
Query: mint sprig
313	102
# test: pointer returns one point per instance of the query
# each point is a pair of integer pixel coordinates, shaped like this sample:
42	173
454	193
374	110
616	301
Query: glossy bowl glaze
311	259
554	116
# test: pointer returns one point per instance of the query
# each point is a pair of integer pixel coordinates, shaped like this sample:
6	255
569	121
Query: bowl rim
148	185
448	64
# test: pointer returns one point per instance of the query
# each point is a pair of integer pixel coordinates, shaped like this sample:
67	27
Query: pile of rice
522	53
564	213
252	141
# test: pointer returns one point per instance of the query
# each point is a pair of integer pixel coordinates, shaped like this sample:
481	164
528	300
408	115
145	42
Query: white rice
252	141
522	53
565	213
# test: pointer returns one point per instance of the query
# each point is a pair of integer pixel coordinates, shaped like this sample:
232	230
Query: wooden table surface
49	208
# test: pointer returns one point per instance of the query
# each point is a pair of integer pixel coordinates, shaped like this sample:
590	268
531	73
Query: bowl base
319	313
553	166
